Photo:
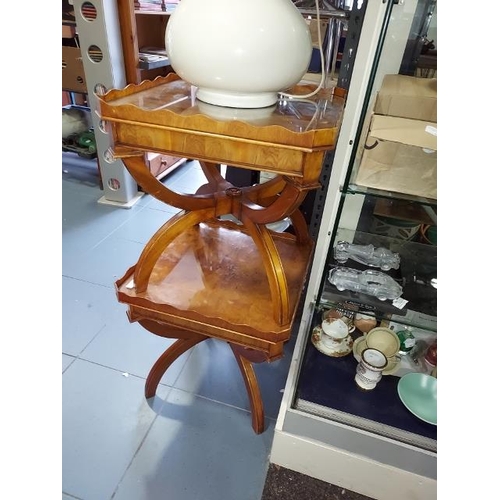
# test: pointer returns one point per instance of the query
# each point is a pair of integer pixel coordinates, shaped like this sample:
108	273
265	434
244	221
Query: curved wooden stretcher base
209	283
186	340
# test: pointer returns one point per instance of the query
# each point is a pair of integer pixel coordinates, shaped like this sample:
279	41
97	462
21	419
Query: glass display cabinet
381	196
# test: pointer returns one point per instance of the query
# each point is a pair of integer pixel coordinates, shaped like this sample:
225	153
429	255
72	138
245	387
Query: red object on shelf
431	354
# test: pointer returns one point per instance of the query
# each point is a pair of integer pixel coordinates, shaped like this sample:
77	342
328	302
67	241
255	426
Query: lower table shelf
211	279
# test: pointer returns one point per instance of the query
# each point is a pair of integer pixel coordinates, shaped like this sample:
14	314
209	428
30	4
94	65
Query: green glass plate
418	392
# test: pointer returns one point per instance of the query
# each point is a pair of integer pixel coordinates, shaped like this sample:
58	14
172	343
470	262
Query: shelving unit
78	142
74	86
327	428
101	56
139	29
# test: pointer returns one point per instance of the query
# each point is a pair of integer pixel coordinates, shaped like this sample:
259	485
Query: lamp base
237	99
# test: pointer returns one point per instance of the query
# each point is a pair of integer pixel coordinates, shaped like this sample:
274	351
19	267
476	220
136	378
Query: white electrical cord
322	58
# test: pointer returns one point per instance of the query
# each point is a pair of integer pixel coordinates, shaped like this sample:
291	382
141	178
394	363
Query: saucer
316	340
360	345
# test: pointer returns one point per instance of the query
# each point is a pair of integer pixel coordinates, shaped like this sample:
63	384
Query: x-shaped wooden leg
187	339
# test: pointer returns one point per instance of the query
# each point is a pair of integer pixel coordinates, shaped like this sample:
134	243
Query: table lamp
238	53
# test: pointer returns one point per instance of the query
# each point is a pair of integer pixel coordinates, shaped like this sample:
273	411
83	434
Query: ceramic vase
238	53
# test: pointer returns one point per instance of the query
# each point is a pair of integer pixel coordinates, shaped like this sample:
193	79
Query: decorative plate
418	392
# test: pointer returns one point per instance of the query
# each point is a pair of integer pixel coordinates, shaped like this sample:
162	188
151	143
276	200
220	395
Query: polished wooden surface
213	273
290	138
163	115
203	276
254	206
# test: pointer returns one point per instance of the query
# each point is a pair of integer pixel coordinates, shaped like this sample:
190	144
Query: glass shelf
394	319
355	189
417	268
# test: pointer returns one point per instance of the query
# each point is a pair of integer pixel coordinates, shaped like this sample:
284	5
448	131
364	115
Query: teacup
386	341
335	337
393	363
333	314
364	322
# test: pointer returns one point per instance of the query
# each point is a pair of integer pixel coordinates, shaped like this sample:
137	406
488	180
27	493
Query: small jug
369	369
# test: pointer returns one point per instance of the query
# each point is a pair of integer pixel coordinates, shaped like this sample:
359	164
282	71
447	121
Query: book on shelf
155	5
147	5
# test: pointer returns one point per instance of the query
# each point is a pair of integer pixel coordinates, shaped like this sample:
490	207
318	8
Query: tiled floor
194	440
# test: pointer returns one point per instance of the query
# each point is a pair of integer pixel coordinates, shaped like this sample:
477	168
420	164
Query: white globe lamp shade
238	53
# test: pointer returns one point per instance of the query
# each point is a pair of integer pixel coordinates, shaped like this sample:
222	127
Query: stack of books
155	5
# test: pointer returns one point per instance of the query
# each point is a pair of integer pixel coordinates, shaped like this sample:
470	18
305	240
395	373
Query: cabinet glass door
381	267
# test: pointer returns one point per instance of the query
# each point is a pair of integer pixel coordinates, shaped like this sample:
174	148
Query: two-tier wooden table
203	276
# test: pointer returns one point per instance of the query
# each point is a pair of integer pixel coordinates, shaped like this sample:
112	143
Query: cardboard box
408	97
313	29
68	31
400	155
73	74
